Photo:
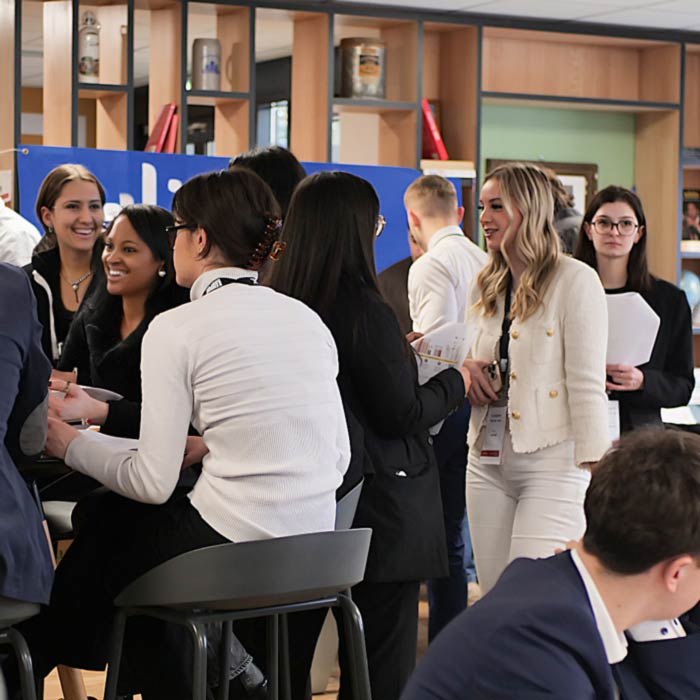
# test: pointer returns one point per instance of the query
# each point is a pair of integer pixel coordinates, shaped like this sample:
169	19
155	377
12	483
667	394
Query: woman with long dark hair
328	264
613	241
65	265
104	342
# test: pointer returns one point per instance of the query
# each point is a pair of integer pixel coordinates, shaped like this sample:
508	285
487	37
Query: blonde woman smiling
539	416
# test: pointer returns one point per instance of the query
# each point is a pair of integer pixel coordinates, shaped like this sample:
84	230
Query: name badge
614	420
494	435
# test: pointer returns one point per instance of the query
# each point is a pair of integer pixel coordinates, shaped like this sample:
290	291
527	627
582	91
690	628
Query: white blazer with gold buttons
557	365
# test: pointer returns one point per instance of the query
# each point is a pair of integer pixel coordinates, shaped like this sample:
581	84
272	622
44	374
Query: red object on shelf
171	139
433	145
156	140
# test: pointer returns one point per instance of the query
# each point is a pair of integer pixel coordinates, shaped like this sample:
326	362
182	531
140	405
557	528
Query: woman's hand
480	391
70	402
59	436
195	449
64	376
624	378
413	335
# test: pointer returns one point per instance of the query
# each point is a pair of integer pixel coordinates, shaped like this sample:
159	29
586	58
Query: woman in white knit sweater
255	373
539	417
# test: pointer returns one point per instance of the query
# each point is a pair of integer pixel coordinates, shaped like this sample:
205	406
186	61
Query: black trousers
390	616
124	540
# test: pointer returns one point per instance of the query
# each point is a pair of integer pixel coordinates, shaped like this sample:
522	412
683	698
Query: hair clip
278	248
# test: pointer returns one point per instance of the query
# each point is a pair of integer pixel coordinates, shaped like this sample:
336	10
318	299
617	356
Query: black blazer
378	381
668	376
393	284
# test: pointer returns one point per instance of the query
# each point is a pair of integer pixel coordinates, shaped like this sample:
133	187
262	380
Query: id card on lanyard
614	420
497	414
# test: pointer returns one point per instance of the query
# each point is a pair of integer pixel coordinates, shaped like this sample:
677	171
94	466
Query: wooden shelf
212	98
97	90
352	104
580	103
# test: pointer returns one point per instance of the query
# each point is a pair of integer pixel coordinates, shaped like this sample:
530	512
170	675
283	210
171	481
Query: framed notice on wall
580	179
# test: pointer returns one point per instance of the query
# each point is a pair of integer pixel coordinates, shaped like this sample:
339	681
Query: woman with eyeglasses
104	342
65	266
613	241
272	425
329	232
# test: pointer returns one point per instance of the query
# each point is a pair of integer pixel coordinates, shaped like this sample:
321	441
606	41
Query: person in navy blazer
553	628
26	570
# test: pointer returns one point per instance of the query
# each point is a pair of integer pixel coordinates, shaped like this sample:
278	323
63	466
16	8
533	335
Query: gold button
550	332
513	375
515	415
515	335
553	394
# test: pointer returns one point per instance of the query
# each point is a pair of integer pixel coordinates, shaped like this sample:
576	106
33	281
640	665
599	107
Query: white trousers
527	506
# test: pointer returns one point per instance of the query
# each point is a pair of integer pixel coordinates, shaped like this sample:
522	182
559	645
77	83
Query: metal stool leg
24	658
225	661
355	639
199	669
273	657
285	668
115	655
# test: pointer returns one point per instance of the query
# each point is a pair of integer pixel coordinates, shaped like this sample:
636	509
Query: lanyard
505	328
223	281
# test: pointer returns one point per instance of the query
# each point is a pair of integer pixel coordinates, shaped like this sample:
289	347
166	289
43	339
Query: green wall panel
563	135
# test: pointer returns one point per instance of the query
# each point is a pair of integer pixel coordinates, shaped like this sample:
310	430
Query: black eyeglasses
172	231
625	227
381	223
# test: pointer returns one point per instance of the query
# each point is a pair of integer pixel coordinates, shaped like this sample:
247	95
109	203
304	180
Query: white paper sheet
443	347
440	349
632	329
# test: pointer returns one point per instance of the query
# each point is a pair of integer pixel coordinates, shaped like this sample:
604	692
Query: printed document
632	329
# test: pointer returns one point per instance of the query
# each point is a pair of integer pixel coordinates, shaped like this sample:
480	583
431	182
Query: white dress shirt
255	372
438	282
17	237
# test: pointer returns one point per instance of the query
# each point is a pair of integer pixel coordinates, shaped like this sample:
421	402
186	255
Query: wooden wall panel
656	177
7	81
57	72
309	117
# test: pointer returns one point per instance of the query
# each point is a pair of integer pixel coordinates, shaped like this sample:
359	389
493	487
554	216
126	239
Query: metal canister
364	67
206	64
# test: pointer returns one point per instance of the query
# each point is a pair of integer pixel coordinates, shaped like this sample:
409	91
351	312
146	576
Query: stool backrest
345	508
263	573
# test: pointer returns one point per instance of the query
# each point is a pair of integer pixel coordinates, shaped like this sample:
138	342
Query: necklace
76	285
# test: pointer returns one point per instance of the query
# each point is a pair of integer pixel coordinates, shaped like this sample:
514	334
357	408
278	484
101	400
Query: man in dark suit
554	628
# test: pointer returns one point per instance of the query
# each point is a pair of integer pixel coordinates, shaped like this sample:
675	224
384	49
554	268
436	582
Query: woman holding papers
330	231
539	410
271	419
612	241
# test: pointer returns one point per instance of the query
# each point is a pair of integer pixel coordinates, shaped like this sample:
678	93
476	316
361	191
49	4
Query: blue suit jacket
534	637
26	571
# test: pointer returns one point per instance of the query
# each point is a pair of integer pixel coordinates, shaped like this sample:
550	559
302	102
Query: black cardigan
668	376
94	345
391	415
44	270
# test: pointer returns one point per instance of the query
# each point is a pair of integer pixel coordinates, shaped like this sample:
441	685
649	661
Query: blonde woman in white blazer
539	408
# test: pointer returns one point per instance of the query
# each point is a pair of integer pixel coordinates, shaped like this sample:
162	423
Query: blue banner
152	178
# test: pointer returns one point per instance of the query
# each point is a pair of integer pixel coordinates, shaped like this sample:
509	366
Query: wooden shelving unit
461	63
382	131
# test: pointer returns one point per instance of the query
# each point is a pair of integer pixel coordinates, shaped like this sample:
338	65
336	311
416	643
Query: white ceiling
274	28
